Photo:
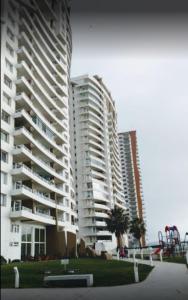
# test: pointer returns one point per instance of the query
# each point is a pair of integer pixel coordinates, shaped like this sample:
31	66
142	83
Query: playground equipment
184	244
171	242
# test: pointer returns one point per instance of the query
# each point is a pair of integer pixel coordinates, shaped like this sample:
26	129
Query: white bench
69	280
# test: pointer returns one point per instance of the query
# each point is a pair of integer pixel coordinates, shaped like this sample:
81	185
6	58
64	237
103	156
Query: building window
9	49
4	156
26	242
9	66
4	136
5	117
3	200
3	177
11	20
40	240
15	228
10	34
6	99
8	81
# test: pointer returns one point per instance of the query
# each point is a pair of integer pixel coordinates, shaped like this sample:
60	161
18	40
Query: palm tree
138	229
117	223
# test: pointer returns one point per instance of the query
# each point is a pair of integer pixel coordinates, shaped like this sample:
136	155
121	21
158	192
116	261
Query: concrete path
167	281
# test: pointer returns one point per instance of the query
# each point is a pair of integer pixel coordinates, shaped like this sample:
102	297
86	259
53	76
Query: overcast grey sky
144	63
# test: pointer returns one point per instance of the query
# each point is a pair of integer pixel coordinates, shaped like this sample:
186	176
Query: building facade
38	214
132	183
95	153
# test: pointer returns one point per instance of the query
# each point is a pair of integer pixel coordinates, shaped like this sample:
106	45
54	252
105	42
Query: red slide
157	251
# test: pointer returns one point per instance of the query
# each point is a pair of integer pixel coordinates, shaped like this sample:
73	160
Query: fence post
17	278
136	275
161	255
142	256
151	260
134	254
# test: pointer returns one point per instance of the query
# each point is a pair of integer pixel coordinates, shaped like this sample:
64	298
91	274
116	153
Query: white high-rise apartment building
132	182
98	181
37	196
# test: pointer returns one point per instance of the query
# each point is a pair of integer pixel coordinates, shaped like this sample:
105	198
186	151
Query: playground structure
171	243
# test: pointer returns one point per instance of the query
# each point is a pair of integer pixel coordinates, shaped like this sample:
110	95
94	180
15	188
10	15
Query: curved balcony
24	85
51	32
26	214
21	191
94	144
56	41
24	101
95	214
44	134
99	175
46	78
23	153
41	57
36	33
95	137
87	95
92	107
23	70
22	172
22	135
100	224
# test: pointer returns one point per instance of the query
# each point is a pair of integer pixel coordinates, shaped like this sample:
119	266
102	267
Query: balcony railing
18	186
37	212
58	175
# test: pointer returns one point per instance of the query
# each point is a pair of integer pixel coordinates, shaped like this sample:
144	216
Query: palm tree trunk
119	241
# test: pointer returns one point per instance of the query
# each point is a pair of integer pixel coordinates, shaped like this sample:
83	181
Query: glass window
15	228
36	249
9	66
42	236
4	136
3	177
5	116
42	249
7	81
3	199
24	237
39	241
10	34
6	99
36	235
4	156
10	50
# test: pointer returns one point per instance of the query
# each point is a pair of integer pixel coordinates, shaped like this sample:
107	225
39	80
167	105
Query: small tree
118	223
137	228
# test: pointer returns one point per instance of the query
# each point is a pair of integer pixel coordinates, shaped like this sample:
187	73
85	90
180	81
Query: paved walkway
167	281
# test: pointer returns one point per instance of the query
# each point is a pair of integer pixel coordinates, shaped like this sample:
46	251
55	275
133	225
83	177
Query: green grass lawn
105	272
175	259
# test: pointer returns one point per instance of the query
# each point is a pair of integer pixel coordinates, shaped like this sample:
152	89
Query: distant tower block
132	184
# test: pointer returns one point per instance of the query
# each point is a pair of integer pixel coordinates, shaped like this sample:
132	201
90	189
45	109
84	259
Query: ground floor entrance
33	240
